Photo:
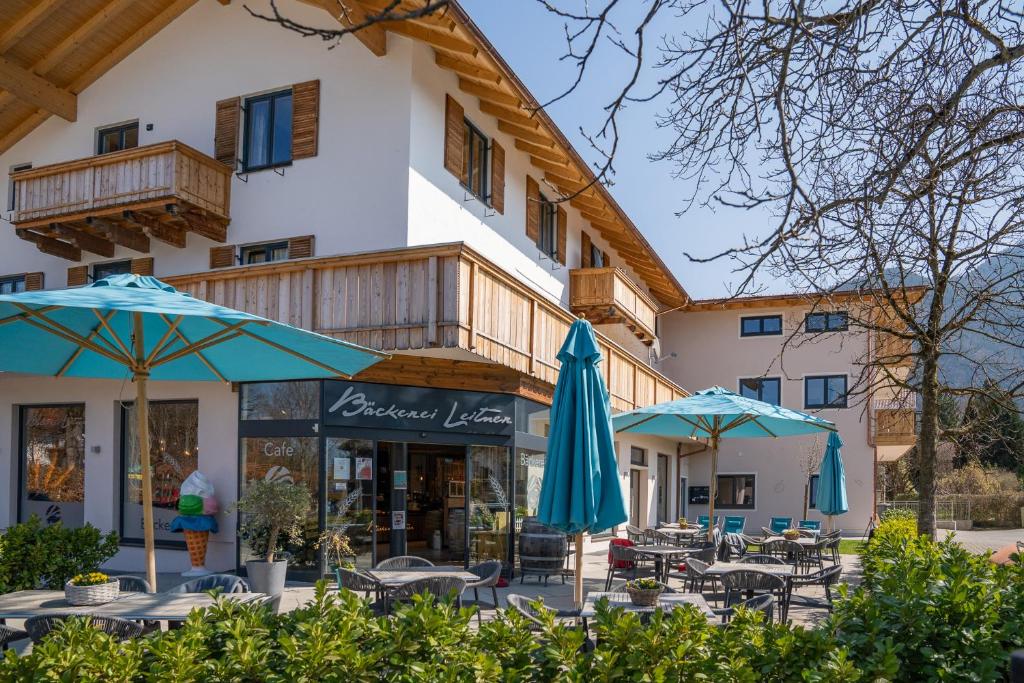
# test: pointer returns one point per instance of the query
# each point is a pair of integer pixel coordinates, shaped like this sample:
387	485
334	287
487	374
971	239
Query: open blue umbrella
581	491
714	414
136	326
831	498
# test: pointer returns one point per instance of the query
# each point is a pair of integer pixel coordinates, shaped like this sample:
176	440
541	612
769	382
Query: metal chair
226	583
357	581
8	635
441	587
765	604
832	542
734	525
780	524
489	573
533	610
623	559
404	562
635	535
760	558
790	551
696	574
752	581
122	629
132	584
826	578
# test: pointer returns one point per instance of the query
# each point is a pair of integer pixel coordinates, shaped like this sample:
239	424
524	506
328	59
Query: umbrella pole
578	578
142	428
714	487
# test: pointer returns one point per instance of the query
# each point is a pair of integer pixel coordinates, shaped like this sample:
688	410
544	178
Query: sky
532	41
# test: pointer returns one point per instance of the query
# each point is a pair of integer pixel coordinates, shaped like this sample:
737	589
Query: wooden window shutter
78	276
532	210
33	282
585	245
222	257
225	136
300	247
497	177
563	229
454	144
607	261
305	119
142	266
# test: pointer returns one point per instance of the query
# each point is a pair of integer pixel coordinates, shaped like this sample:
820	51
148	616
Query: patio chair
358	582
813	556
122	629
8	635
765	604
533	610
759	558
622	560
736	545
814	524
652	537
404	562
226	583
751	581
489	573
635	535
441	587
789	551
826	578
832	542
132	584
780	524
735	525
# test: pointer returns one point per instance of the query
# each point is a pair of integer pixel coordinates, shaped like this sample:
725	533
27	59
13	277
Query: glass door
350	498
490	504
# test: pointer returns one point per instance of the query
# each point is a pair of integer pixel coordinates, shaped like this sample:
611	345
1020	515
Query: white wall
654	446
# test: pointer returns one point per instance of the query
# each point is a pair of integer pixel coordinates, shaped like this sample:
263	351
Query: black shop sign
386	406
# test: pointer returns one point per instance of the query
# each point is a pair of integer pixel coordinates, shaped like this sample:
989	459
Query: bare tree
810	461
885	137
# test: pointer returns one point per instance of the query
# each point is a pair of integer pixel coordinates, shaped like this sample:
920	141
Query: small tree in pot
273	515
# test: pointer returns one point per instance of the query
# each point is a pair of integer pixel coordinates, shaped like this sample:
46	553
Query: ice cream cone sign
197	509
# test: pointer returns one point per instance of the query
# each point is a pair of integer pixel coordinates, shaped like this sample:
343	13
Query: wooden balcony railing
123	198
438	297
895	426
606	295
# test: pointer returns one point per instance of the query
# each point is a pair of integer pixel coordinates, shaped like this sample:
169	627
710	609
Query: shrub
36	556
274	513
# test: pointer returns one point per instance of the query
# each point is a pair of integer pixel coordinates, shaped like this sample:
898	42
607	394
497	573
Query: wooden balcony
895	426
161	191
442	301
606	295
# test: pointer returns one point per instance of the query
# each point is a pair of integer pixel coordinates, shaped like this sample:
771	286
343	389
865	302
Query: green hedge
925	611
33	555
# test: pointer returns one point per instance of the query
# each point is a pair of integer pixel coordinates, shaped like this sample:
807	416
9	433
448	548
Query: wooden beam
592	206
547	151
519	117
200	224
120	234
84	240
50	246
466	67
37	91
439	38
24	24
560	169
351	13
157	229
82	35
488	93
526	134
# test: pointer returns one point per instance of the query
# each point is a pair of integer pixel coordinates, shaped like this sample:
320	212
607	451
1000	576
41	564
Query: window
825	391
548	242
116	138
174	454
263	253
836	321
12	284
53	463
637	456
596	257
760	325
474	160
267	138
767	389
12	190
102	270
812	492
735	492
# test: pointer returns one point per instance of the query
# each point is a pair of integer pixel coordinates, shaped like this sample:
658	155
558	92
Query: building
392	192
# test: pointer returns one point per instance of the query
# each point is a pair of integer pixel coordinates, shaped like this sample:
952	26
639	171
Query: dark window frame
760	388
121	129
761	325
826	404
812	491
246	250
596	257
640	461
829	323
126	264
472	134
547	238
12	187
271	98
15	279
732	506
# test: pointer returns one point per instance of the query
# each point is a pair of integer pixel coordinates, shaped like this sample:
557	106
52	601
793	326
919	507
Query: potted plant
683	523
791	534
644	592
273	515
337	549
91	588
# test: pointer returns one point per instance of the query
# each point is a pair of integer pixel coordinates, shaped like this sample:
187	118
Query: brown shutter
225	136
78	276
33	282
532	210
305	119
585	245
454	145
497	177
563	229
300	247
142	266
607	261
222	257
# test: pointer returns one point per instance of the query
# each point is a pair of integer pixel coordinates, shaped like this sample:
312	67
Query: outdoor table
803	540
136	606
390	578
688	532
783	571
662	556
666	601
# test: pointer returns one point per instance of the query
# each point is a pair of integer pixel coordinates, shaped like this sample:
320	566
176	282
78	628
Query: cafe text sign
383	406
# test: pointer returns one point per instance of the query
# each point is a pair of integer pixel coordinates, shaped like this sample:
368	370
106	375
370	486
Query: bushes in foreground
33	555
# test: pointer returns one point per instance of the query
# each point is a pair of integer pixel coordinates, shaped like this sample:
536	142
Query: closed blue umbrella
581	491
831	498
136	326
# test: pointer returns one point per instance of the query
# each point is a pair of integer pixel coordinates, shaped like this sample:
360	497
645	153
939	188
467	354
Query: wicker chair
832	542
826	578
132	584
533	610
635	535
624	559
122	629
750	581
764	604
789	551
759	558
489	573
8	635
225	583
358	582
404	562
441	587
696	574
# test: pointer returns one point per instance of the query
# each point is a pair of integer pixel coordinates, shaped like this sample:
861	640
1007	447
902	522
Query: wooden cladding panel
142	266
501	321
895	427
301	247
305	119
225	136
606	295
562	226
223	256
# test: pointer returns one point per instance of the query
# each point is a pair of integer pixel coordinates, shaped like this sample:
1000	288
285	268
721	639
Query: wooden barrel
542	550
